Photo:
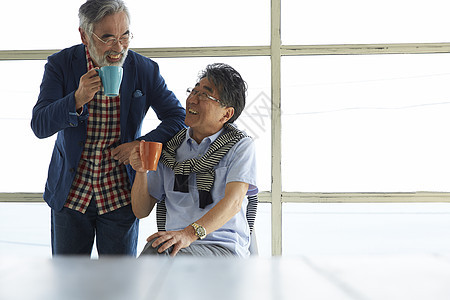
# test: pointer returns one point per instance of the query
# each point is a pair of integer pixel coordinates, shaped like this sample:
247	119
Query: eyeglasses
202	95
124	40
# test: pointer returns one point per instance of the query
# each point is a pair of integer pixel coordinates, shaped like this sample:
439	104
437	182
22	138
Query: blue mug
111	77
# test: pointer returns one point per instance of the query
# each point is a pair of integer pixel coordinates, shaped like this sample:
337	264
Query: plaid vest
99	177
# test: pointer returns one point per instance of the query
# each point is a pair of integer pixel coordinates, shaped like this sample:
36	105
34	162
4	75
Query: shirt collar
209	139
90	62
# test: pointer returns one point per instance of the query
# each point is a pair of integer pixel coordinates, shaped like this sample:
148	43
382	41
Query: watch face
201	232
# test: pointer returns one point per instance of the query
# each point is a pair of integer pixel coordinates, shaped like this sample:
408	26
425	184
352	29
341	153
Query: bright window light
372	123
310	22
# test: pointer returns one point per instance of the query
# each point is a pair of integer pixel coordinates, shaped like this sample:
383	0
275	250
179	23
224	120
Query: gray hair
93	11
231	87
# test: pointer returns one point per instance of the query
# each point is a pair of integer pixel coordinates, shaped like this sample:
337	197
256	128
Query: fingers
164	237
135	161
123	153
122	157
160	238
167	239
155	235
90	83
176	248
166	244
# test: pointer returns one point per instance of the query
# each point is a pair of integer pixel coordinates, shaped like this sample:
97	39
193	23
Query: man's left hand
122	152
178	239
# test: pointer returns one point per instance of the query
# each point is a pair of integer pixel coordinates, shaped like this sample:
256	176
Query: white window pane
355	21
365	228
46	24
376	123
26	158
180	23
181	73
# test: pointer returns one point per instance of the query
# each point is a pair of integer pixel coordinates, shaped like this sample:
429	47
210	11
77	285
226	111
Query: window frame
276	197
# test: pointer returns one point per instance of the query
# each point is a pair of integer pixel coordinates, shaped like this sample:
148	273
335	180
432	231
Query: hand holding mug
135	160
90	83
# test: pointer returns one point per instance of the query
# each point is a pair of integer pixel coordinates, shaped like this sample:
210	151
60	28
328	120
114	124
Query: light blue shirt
239	164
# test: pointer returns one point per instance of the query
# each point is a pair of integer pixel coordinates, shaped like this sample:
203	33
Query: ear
83	36
228	114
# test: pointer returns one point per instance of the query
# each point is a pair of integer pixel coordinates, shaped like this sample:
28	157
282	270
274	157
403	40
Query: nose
118	47
192	99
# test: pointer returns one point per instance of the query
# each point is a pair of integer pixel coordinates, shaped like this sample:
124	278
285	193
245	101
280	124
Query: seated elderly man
204	174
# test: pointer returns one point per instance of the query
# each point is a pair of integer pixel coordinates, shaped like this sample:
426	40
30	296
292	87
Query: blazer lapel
126	89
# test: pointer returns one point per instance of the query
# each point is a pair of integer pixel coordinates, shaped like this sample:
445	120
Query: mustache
114	52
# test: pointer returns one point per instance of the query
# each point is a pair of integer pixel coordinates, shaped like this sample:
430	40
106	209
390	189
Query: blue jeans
73	233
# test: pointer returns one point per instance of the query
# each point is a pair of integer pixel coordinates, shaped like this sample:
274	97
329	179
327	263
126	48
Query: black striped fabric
204	166
251	210
161	214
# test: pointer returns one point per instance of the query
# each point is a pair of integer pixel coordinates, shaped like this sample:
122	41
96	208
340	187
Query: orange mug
150	153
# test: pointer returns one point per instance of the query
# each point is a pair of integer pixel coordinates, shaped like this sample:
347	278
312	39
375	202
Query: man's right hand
135	159
90	83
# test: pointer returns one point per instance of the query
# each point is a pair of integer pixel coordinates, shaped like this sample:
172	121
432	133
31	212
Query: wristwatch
200	231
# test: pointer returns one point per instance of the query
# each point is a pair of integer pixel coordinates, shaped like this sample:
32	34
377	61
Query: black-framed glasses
124	40
202	95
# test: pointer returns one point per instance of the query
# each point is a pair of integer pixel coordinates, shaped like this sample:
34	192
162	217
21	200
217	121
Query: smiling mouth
193	112
116	56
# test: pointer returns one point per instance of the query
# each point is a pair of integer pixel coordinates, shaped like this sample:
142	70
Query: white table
318	277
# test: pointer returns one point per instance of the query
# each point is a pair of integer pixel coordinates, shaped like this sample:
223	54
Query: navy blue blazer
142	87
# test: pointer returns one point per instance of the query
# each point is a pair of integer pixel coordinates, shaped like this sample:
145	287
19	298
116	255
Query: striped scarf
204	166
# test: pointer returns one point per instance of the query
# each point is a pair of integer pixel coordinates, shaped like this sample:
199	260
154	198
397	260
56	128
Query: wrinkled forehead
114	24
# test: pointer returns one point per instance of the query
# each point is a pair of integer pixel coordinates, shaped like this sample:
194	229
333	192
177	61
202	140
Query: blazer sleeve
55	108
